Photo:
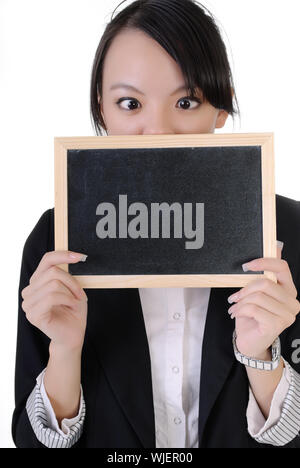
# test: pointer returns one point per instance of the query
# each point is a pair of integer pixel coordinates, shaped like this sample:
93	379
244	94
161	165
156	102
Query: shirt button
175	369
176	316
177	420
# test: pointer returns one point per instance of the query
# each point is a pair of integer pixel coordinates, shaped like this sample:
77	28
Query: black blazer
116	370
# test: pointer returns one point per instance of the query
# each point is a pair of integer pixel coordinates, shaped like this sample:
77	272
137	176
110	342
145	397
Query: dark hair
189	35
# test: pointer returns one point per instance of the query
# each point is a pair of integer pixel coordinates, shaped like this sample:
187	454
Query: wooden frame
264	140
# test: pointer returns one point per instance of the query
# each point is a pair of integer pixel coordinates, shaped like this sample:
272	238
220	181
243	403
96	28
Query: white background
46	54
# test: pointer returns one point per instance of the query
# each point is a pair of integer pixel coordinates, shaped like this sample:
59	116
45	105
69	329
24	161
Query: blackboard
123	204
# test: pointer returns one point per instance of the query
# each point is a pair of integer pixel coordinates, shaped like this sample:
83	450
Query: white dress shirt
174	320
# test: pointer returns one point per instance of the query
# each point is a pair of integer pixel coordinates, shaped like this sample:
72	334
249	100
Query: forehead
136	58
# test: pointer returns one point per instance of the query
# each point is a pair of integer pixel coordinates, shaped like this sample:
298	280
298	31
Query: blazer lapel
119	325
217	352
118	332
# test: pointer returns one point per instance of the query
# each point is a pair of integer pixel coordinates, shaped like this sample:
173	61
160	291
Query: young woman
158	367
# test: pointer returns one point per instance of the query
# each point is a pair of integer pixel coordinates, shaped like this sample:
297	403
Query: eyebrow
127	86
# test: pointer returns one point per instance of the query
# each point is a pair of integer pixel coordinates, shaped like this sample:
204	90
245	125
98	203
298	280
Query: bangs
189	34
193	40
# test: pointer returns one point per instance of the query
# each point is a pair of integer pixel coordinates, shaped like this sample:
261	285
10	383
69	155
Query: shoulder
287	219
288	231
42	232
288	209
40	240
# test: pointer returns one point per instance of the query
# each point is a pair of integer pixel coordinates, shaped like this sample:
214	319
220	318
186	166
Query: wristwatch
258	363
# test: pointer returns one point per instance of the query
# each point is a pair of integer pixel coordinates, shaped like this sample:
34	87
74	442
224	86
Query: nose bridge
157	121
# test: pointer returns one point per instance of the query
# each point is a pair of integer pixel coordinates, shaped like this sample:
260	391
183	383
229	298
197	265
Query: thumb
279	248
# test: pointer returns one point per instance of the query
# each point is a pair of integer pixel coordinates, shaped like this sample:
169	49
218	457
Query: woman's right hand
55	302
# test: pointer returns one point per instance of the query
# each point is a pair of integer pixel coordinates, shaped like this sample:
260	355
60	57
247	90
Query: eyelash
133	99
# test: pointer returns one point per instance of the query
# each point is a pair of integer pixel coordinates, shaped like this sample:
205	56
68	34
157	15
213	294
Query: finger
56	257
49	300
55	273
267	320
41	311
278	266
270	288
267	303
255	312
52	286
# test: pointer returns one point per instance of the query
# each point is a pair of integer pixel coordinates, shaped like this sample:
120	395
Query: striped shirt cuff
47	433
288	425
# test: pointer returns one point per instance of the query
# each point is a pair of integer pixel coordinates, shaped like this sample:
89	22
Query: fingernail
76	255
245	267
280	244
233	298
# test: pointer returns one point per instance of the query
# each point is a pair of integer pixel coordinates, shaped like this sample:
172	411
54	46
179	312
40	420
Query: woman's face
156	106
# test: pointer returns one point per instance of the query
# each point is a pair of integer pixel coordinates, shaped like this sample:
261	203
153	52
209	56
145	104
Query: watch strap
258	363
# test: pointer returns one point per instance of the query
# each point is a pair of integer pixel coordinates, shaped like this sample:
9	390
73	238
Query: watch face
276	349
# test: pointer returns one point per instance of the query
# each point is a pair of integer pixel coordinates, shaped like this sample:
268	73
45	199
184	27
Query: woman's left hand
263	308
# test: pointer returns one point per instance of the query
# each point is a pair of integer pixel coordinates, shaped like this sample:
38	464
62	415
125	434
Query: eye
188	98
133	102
